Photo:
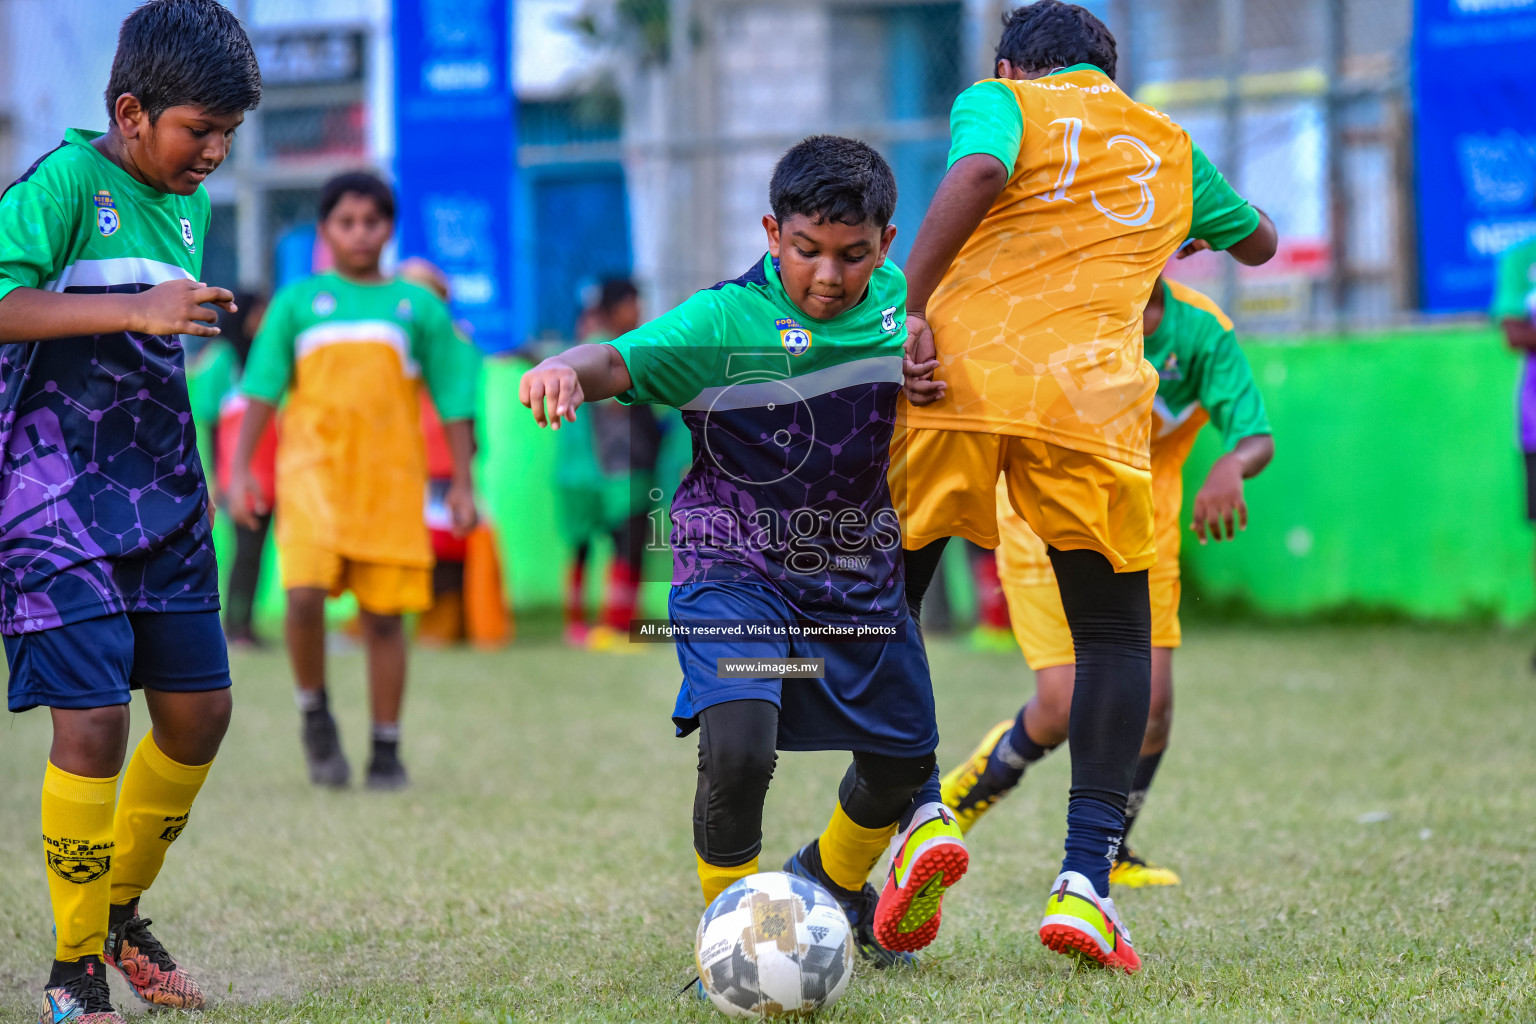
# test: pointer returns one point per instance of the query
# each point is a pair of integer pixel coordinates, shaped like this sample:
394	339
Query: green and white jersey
1202	373
102	500
791	419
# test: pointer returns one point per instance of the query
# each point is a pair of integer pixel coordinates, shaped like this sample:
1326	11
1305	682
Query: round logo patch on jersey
403	310
107	218
324	304
795	339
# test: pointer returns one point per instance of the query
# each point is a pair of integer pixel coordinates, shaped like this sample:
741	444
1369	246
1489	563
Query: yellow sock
715	879
151	812
77	843
849	851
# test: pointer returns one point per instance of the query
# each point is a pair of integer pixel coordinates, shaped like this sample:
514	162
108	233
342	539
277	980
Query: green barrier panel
1396	488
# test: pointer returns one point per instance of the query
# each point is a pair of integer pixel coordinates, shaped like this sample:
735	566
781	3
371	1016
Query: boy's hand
555	383
461	506
919	360
1219	507
244	497
1194	246
176	307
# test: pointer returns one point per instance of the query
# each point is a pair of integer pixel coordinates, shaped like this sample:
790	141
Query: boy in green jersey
785	542
107	574
351	348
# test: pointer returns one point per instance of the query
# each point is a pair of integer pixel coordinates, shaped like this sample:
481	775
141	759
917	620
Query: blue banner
456	152
1475	102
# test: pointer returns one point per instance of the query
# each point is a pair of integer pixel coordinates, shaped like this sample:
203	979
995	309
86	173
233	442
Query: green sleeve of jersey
986	119
1229	394
35	234
449	362
209	379
675	356
269	367
1222	217
1514	285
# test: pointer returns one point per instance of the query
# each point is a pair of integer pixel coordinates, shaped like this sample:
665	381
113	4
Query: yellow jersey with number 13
1038	321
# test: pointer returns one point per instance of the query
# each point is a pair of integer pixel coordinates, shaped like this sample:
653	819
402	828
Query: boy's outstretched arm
1219	505
1257	249
557	386
958	208
460	435
245	499
171	307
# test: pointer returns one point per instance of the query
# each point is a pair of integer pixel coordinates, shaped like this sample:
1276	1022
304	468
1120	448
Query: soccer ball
774	945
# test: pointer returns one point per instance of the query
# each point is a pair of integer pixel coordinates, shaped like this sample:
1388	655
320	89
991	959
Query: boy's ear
886	238
129	116
771	226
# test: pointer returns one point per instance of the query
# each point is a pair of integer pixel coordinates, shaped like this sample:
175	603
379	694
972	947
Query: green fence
1396	486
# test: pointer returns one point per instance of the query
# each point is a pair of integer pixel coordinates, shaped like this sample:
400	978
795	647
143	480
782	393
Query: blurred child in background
604	471
350	347
468	598
219	407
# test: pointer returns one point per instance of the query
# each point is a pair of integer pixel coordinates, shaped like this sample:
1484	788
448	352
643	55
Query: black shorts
1530	486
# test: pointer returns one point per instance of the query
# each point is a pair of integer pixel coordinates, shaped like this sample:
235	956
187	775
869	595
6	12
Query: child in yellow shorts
351	347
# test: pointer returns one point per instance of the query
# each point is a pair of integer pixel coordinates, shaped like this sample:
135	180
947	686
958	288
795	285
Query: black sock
65	971
1111	621
1146	768
386	741
1014	753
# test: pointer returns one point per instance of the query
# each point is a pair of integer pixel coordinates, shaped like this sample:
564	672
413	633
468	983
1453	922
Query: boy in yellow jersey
1202	377
1063	200
351	347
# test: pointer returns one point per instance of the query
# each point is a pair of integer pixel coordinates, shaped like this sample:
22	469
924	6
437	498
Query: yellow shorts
380	588
1034	603
943	484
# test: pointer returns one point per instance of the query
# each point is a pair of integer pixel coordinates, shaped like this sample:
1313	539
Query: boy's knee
382	627
877	789
306	603
742	766
90	742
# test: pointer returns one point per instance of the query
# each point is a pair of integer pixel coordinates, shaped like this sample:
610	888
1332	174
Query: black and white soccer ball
774	945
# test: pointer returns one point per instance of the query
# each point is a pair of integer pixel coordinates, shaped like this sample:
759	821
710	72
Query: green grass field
541	867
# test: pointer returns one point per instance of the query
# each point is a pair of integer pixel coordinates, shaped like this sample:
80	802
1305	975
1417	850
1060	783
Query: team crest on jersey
324	304
1171	369
795	339
186	235
403	310
888	319
107	218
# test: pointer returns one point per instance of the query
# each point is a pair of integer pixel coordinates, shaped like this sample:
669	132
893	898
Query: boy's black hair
830	178
615	290
1049	34
172	53
362	183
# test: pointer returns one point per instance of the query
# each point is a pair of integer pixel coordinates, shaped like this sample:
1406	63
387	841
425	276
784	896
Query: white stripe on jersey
755	394
119	271
349	332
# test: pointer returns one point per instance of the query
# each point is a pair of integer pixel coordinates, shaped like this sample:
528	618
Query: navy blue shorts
876	696
93	664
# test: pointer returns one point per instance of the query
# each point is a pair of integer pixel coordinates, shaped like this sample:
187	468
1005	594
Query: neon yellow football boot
926	861
965	791
1079	922
1134	873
